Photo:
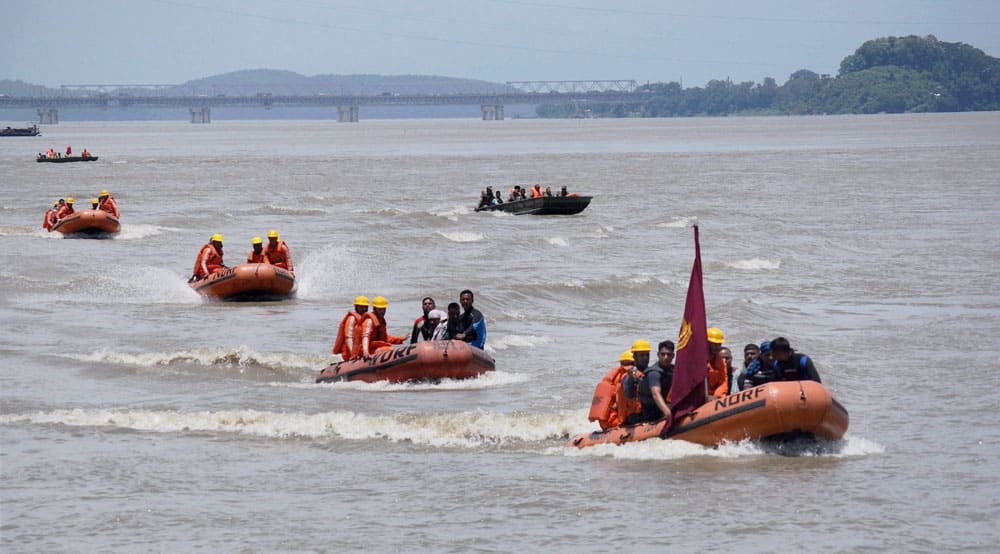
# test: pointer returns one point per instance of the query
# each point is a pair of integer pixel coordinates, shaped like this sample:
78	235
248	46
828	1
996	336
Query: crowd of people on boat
490	198
210	257
63	208
52	154
638	392
362	333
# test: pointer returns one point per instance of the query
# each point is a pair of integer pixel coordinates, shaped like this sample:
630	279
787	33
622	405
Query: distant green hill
890	75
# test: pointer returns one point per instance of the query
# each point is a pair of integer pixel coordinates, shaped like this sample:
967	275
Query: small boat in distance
63	159
20	131
542	205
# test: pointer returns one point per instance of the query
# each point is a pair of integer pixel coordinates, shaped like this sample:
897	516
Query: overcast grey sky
171	41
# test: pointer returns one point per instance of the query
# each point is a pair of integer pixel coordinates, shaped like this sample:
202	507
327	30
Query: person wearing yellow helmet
652	385
50	216
65	207
277	252
718	374
93	203
256	255
346	343
375	333
209	259
108	203
610	407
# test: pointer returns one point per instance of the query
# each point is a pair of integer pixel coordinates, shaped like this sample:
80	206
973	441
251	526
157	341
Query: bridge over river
200	105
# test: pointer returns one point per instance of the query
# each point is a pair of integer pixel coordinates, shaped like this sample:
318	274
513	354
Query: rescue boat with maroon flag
783	408
247	282
423	361
88	223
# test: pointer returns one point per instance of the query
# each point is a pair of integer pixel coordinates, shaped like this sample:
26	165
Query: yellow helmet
104	192
256	240
69	199
56	203
93	201
641	345
361	300
380	302
715	335
272	234
216	238
626	356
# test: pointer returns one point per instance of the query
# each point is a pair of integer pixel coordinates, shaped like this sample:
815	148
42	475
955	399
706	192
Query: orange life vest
610	407
64	211
718	378
255	258
209	261
109	205
49	218
381	336
536	191
279	255
364	334
345	341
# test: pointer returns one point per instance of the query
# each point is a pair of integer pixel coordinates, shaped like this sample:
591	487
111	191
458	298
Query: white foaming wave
145	285
655	449
490	379
272	209
754	264
241	356
558	241
450	212
516	341
461	236
322	273
679	222
38	233
142	230
380	211
463	430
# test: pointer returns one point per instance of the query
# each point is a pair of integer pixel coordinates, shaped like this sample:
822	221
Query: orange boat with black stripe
424	361
784	408
88	223
247	282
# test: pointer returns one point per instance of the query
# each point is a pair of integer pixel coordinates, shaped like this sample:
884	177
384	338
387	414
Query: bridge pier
48	116
492	112
348	114
201	115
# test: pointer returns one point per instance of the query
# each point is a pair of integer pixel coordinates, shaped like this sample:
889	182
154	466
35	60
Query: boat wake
472	430
241	357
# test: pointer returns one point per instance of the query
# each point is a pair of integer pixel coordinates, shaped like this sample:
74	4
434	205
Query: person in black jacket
789	365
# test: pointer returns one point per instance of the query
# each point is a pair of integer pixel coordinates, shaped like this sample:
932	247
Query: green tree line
885	75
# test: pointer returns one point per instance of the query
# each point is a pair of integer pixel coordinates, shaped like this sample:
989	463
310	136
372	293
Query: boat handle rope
802	392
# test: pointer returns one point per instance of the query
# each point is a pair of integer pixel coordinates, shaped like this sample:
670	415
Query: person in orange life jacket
276	252
86	154
727	356
209	259
630	383
380	337
718	377
422	327
50	216
612	411
50	153
789	365
107	203
65	208
69	151
256	256
93	203
536	191
346	342
473	322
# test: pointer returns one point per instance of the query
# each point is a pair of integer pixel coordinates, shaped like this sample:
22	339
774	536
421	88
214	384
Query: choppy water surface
135	417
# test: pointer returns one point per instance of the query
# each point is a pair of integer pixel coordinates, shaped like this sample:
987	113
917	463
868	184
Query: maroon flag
687	391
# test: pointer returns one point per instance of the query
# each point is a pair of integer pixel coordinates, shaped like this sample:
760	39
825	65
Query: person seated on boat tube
563	191
498	199
536	191
65	208
630	383
108	203
789	365
738	382
436	319
484	200
654	386
548	191
276	252
50	153
209	259
256	255
761	369
69	151
50	216
86	153
380	337
473	322
727	356
610	407
515	193
422	327
451	324
718	376
346	343
93	203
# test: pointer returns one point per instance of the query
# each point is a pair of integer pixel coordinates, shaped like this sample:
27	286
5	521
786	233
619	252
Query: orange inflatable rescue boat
783	408
247	282
424	361
88	223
